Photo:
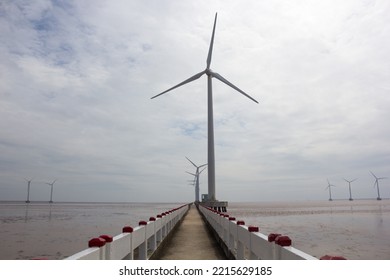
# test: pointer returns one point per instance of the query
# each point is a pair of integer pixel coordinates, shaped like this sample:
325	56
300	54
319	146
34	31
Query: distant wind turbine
377	184
194	183
51	191
197	173
210	131
330	191
196	179
28	189
349	185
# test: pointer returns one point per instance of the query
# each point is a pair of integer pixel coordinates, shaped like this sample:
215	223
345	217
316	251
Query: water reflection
42	210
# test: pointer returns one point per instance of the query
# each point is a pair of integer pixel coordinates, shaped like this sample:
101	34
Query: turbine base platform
220	206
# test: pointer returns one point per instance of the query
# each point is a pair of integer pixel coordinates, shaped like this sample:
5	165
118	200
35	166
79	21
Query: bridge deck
192	241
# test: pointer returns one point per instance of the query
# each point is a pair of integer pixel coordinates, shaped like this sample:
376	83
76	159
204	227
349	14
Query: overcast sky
76	78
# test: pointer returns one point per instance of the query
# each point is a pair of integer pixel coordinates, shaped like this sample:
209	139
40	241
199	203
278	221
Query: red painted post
142	223
240	223
108	239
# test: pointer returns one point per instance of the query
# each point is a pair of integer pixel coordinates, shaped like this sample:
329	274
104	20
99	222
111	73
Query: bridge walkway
192	241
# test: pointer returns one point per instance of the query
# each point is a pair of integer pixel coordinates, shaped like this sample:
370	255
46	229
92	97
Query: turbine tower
28	189
51	191
377	184
194	183
197	173
210	122
330	191
349	185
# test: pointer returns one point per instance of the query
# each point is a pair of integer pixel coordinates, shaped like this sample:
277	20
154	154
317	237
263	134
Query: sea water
357	229
58	230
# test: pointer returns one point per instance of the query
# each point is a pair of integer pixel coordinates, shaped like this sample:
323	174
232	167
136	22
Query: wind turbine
210	122
377	184
196	179
28	189
194	183
330	191
349	185
51	191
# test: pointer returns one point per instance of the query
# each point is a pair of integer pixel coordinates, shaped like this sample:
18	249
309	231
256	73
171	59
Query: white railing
133	243
245	242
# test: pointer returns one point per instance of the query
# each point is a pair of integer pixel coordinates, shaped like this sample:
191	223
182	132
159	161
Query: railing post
153	239
159	231
108	239
280	242
242	240
232	225
98	242
128	229
143	248
271	238
251	229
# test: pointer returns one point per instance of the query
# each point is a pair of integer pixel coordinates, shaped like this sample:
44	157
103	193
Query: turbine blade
191	162
354	180
191	173
222	79
202	170
211	43
373	175
193	78
202	165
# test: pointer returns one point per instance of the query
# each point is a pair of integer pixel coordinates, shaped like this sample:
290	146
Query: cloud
77	77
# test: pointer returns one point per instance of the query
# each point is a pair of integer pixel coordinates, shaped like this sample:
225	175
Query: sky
76	78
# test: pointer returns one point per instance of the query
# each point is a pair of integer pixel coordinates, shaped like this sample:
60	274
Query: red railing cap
107	238
127	229
253	229
96	242
329	257
283	240
272	236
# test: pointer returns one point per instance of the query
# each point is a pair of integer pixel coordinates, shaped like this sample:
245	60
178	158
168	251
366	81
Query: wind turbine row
210	121
29	186
196	178
376	184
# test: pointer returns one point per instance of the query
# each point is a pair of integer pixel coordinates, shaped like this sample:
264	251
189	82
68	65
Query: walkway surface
192	241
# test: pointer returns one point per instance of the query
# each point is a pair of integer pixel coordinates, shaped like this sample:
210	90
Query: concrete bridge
192	232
